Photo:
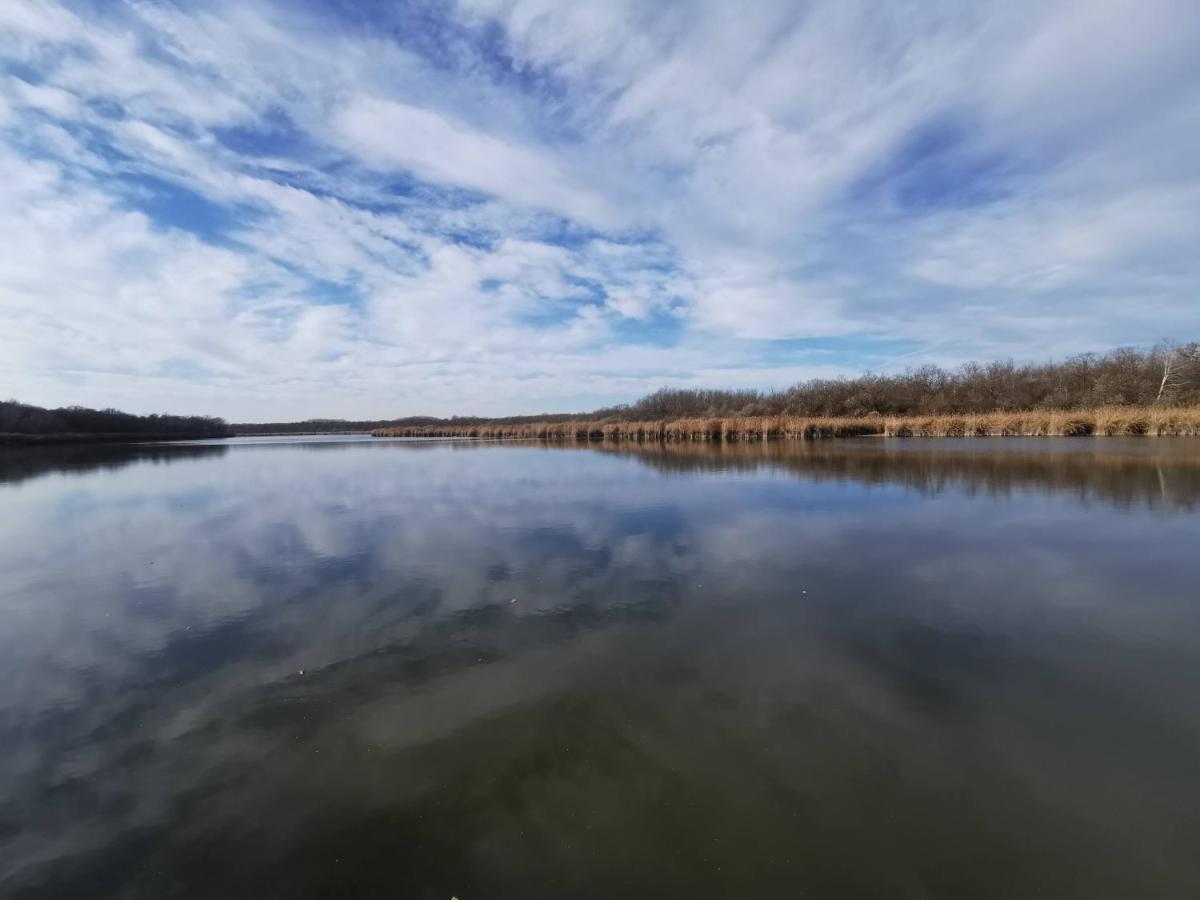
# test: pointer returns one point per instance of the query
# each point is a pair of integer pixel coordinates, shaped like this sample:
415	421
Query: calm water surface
354	668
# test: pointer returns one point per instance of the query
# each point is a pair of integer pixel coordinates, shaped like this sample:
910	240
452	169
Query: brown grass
1111	420
1106	420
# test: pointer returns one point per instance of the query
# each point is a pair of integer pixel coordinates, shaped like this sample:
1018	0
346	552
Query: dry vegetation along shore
1107	420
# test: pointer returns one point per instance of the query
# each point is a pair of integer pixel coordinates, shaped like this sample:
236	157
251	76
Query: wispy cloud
257	211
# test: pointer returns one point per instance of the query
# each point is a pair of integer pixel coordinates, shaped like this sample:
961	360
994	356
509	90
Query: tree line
26	419
1168	374
338	426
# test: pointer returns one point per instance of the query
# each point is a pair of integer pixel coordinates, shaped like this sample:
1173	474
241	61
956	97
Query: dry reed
1109	420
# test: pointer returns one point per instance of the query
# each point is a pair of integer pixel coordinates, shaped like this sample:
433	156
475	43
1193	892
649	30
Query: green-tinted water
925	669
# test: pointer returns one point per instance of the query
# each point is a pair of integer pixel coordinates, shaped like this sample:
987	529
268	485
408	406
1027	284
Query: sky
283	210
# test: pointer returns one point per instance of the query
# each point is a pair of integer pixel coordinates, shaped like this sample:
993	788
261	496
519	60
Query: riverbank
1108	420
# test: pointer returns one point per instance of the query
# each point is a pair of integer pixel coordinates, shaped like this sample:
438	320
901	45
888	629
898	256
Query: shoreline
1099	422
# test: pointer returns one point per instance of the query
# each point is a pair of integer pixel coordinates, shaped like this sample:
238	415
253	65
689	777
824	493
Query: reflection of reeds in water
1165	475
1110	420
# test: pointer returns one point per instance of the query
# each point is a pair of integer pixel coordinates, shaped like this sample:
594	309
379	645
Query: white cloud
666	189
769	119
441	150
1049	243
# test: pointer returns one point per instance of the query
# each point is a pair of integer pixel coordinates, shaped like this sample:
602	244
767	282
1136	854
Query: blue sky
280	210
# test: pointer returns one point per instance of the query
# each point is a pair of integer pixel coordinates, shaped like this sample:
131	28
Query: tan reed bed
1108	420
700	429
1102	421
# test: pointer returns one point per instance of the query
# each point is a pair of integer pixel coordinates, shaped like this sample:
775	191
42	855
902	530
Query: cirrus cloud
264	212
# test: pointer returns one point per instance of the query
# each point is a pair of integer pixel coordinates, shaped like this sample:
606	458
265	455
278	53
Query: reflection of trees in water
422	731
1165	474
20	464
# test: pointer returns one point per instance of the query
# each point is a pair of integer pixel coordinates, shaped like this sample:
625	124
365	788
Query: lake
352	667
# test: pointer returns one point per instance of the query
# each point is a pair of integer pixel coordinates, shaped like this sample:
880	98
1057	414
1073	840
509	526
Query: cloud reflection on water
806	656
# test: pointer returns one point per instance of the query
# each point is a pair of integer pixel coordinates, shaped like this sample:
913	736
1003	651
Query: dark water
924	669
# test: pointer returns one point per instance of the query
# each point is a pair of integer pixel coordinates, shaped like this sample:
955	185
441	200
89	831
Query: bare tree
1179	367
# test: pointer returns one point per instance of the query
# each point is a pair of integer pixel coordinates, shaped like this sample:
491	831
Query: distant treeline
24	423
323	426
342	426
1166	375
